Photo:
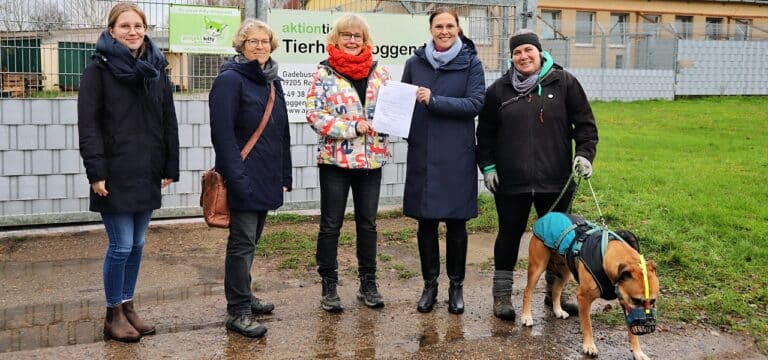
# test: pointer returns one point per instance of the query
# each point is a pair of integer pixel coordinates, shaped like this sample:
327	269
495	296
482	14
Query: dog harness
578	240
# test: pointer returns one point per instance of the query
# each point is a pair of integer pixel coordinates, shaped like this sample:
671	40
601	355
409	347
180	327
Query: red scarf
356	67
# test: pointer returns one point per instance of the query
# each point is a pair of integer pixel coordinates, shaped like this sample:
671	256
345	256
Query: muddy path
51	306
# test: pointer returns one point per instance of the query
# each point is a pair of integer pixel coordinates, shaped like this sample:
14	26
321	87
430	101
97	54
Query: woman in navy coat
255	184
441	177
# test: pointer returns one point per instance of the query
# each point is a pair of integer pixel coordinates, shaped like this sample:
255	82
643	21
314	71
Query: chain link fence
45	44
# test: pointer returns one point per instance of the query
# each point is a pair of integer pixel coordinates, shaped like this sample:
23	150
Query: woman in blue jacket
256	184
441	178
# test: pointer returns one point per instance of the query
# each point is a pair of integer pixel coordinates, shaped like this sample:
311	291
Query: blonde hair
248	25
121	8
349	21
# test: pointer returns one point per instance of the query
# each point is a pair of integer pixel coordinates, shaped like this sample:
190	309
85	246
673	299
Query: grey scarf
269	69
440	58
523	83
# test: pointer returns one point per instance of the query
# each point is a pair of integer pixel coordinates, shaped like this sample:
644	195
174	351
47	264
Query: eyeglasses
350	36
256	42
126	28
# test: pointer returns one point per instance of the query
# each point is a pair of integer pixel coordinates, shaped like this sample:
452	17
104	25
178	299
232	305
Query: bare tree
14	14
48	16
89	13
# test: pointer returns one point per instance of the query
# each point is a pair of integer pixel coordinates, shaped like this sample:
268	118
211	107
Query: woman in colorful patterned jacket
340	106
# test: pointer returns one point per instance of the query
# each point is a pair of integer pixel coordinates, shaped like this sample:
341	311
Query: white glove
582	167
491	180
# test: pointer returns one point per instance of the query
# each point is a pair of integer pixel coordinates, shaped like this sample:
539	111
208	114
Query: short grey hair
248	25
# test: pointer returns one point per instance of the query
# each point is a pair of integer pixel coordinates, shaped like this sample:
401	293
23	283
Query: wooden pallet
13	84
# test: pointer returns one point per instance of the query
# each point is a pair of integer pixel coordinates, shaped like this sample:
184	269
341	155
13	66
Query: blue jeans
335	183
121	264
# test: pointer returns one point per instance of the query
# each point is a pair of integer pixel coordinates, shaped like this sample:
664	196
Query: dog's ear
630	238
651	265
624	272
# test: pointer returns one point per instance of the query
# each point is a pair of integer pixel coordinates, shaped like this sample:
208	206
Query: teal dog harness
578	240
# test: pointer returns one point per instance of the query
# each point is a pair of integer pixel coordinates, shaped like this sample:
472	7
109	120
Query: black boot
429	254
502	295
428	296
369	292
331	301
571	308
456	297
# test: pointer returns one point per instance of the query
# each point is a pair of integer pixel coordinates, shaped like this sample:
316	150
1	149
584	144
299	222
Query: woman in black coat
441	177
130	148
533	116
238	101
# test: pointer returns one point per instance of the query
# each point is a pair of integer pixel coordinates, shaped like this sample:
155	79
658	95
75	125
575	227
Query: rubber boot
571	308
429	254
502	295
138	324
117	327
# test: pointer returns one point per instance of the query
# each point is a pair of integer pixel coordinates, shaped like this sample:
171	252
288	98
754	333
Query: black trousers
335	183
245	229
513	211
455	248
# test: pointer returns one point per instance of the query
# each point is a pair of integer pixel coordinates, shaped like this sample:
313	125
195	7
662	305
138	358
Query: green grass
689	178
404	272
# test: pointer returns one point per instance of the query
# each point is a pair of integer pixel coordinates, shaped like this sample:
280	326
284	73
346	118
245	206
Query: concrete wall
722	67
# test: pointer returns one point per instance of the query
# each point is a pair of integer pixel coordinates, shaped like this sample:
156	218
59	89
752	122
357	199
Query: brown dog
622	267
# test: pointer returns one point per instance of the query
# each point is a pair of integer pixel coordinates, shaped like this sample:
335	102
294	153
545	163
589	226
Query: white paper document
394	108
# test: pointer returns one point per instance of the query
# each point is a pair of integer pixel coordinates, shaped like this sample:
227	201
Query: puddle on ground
68	323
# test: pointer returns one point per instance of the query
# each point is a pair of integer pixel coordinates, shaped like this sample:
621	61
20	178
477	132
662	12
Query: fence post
250	8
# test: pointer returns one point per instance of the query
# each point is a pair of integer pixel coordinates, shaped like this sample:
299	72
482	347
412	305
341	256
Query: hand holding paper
394	108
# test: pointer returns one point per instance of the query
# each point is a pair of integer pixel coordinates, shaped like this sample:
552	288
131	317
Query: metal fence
45	44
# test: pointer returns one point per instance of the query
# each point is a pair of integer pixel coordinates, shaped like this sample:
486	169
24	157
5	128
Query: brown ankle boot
117	327
138	324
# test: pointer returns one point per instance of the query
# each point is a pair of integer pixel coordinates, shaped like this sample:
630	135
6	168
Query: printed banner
303	36
202	29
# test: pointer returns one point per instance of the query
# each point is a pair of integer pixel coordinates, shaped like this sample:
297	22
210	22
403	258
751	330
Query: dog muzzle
641	320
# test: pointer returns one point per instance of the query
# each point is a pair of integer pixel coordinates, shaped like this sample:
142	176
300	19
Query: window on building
585	27
743	29
651	27
684	27
619	27
479	26
550	24
714	29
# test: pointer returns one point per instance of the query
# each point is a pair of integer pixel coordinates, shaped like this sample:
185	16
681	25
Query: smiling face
258	46
527	59
444	29
129	30
351	40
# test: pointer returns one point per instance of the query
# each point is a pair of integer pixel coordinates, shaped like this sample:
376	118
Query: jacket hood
461	61
250	70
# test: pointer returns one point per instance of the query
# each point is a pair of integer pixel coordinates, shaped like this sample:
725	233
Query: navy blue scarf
145	70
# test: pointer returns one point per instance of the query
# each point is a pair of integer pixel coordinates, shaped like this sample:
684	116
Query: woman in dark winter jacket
350	154
130	148
238	100
532	116
441	178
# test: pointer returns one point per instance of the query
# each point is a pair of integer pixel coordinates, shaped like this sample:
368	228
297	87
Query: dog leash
578	182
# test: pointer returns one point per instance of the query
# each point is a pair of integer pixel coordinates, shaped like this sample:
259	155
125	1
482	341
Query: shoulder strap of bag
264	119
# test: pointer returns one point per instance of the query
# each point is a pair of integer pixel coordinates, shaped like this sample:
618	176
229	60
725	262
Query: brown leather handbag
213	197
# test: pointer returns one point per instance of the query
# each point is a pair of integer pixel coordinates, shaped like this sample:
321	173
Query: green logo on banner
202	29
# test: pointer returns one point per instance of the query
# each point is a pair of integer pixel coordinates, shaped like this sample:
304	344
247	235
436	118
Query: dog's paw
639	355
589	349
527	320
560	313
